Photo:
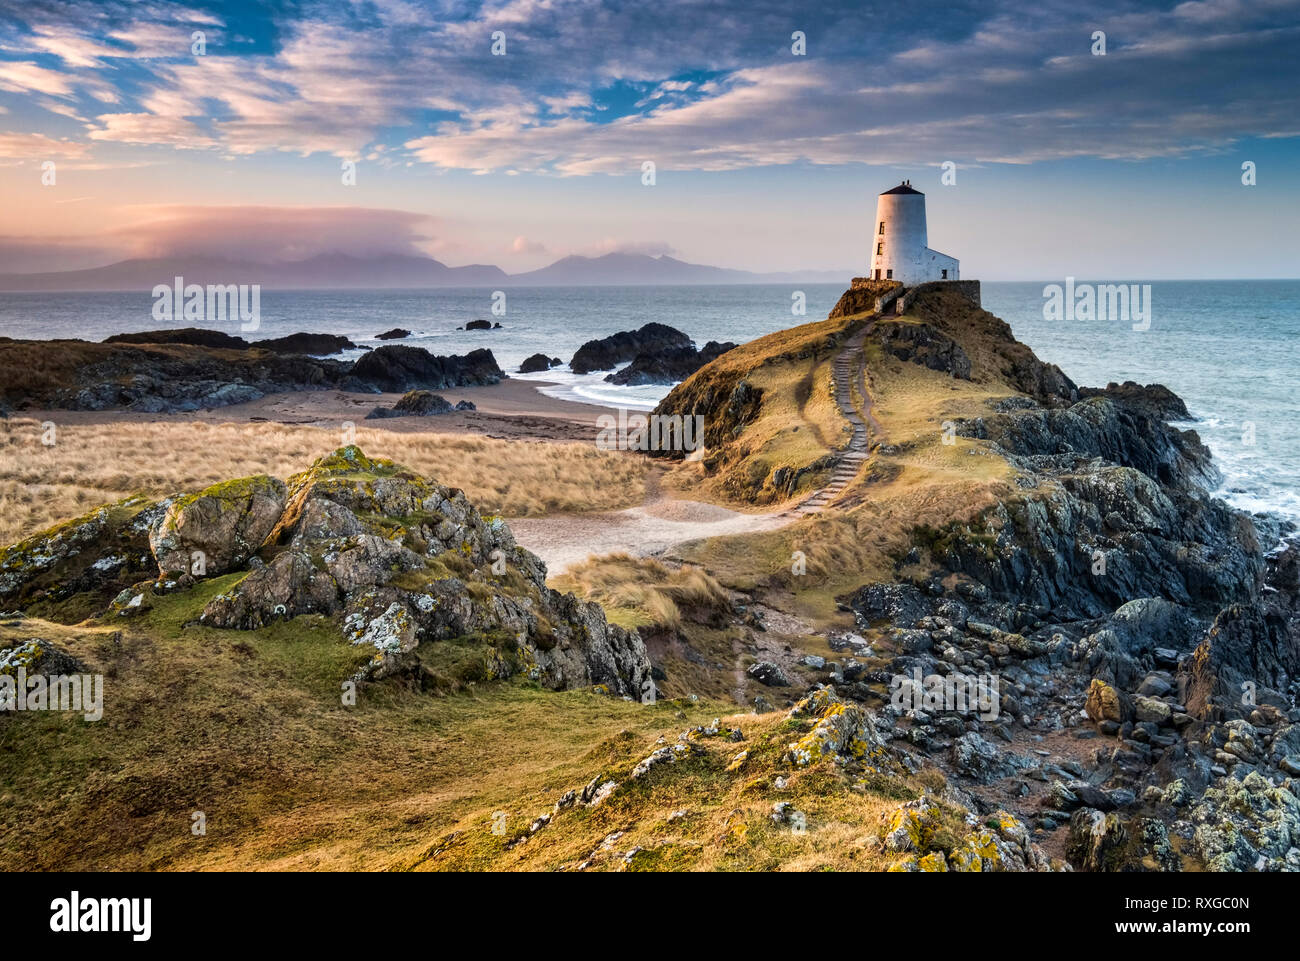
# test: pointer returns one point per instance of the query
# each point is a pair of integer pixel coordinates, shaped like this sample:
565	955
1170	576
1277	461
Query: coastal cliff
1069	546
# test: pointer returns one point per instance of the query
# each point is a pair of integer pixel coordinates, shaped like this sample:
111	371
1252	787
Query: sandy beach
513	410
510	410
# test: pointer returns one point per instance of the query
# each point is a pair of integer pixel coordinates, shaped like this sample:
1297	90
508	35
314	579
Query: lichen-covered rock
1105	841
1105	703
1001	845
910	827
217	529
1247	824
406	561
36	655
100	553
843	731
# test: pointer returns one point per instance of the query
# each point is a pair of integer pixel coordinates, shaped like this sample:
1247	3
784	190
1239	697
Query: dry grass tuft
92	464
642	592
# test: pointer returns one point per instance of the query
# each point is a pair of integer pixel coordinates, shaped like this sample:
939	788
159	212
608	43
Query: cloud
38	147
650	248
272	234
24	254
522	245
147	128
598	86
21	76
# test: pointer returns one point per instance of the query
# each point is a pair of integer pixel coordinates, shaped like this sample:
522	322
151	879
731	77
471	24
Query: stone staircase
846	366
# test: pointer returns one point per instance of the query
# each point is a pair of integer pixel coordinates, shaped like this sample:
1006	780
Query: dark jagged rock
397	333
608	352
668	366
1154	400
924	345
482	325
420	403
301	343
1099	427
153	378
1248	657
170	378
193	336
900	604
538	363
397	367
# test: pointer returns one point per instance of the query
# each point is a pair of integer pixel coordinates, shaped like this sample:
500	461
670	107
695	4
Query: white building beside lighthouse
899	242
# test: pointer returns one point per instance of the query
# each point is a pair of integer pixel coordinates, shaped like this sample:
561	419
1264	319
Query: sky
223	129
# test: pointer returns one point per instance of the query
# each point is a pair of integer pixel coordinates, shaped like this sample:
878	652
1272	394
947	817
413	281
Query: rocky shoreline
1144	630
199	373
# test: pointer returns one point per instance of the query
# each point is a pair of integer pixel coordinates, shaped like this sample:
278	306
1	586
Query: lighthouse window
882	228
889	275
880	248
945	275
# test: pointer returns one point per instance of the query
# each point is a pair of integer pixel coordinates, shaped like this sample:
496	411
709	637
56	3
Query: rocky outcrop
481	325
301	343
406	562
668	366
1156	401
396	333
217	529
924	345
1121	599
191	336
421	584
176	377
862	297
1248	657
96	555
608	352
398	368
420	403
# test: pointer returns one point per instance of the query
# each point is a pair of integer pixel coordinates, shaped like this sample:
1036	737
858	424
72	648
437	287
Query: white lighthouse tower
900	250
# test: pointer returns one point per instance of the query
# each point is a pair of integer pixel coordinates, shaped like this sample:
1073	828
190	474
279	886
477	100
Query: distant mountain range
345	271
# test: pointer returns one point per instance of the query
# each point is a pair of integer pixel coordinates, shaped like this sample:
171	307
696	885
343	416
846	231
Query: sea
1230	349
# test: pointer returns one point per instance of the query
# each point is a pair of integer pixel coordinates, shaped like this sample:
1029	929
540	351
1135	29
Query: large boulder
608	352
219	528
668	366
420	403
395	368
1248	656
535	364
302	343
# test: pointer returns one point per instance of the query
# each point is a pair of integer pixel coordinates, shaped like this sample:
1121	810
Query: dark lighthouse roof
904	188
